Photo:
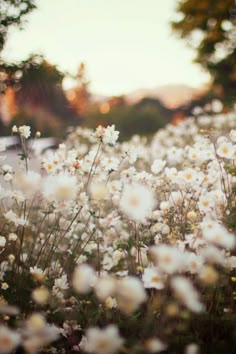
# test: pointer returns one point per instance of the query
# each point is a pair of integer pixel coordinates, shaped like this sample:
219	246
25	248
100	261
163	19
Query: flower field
121	247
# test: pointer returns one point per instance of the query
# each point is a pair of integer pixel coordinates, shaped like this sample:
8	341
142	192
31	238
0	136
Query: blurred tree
210	28
79	96
12	12
38	92
144	118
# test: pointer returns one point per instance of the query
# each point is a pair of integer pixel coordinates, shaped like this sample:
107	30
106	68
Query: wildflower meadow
121	247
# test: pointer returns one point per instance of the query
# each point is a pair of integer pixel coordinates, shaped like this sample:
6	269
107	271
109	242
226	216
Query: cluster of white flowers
107	229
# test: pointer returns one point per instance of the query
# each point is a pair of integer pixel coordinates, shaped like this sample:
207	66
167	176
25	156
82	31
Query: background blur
138	64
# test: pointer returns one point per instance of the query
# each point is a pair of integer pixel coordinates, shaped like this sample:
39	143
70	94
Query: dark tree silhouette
210	28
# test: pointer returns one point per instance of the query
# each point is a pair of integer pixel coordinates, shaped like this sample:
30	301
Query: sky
125	44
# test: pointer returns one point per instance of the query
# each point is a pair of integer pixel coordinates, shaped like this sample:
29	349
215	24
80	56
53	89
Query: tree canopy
210	28
12	12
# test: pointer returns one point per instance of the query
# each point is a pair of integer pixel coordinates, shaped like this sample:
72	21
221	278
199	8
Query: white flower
130	294
158	166
25	131
191	349
155	345
105	287
169	259
7	168
8	177
98	191
99	132
14	129
37	273
29	182
9	340
12	237
110	135
232	135
61	283
218	235
226	150
206	202
83	278
102	341
17	220
61	187
137	201
2	241
152	278
110	163
194	262
186	293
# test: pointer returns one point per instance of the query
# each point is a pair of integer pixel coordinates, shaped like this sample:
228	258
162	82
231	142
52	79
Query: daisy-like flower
169	259
24	130
186	294
61	283
110	135
137	201
102	341
130	294
105	287
226	150
60	187
194	262
232	135
29	182
110	163
152	278
158	166
206	203
83	279
155	345
37	273
17	220
217	234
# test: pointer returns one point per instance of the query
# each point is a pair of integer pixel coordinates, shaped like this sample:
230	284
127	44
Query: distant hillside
172	96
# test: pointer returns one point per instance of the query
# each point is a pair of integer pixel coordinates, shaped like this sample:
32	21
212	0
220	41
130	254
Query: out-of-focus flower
24	130
137	201
17	220
37	273
9	340
226	150
217	234
186	294
105	287
169	259
130	294
83	278
110	135
155	345
2	241
40	295
60	187
152	278
102	341
158	166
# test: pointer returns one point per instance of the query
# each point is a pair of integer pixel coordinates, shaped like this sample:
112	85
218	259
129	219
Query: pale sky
125	44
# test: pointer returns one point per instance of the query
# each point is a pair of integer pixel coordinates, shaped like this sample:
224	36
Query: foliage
12	13
39	94
210	28
143	118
